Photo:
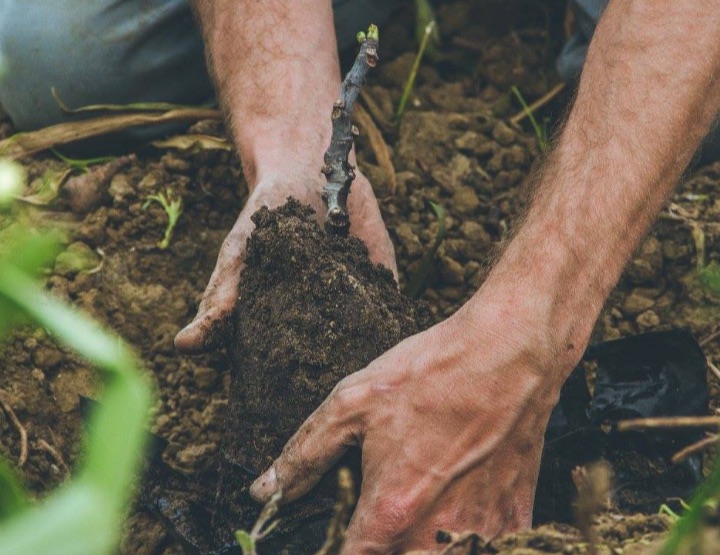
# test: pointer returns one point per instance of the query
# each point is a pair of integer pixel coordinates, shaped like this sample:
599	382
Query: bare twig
696	447
714	369
378	145
712	336
22	459
56	456
343	510
337	168
539	103
671	422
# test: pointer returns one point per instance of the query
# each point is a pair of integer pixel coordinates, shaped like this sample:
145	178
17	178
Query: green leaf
12	497
245	541
709	278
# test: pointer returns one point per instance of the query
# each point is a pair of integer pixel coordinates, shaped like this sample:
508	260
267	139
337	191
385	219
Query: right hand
208	327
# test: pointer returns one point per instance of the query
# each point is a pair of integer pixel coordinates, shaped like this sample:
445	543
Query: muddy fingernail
264	486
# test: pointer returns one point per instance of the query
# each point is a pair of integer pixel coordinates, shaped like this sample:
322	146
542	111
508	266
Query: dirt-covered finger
321	440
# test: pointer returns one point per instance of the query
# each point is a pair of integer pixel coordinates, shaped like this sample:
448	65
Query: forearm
648	94
275	67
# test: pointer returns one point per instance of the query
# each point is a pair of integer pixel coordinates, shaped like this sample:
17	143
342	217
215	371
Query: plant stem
410	83
337	169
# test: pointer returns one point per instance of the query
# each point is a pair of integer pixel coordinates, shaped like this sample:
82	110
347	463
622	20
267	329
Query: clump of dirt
312	310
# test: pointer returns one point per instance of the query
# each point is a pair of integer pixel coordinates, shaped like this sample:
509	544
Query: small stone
192	456
409	240
635	303
647	320
46	358
452	271
646	267
205	377
475	233
120	187
503	134
465	201
38	374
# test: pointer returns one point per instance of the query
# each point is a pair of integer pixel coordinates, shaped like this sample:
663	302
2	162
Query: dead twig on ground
56	456
7	409
696	447
712	336
378	145
670	422
25	144
377	113
714	369
341	517
539	103
337	168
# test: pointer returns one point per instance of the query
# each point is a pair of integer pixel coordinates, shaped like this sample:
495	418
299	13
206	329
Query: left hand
451	424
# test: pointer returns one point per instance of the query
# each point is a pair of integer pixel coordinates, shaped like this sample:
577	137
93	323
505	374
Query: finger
367	535
207	330
204	333
321	440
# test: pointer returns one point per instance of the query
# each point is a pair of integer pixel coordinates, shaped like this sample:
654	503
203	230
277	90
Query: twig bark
669	423
337	168
22	459
696	447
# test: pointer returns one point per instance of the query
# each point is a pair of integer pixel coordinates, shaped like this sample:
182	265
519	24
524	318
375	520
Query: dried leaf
132	107
25	144
194	142
50	184
378	144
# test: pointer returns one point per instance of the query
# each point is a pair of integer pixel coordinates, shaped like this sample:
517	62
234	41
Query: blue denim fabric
117	51
587	14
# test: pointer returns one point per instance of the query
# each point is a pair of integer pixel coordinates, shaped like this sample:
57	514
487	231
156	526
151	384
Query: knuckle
396	513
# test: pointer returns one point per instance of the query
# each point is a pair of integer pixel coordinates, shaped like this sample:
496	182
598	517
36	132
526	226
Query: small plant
81	165
85	516
541	134
173	208
687	526
248	540
410	83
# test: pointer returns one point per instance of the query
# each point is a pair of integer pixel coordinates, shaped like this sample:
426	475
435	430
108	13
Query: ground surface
454	147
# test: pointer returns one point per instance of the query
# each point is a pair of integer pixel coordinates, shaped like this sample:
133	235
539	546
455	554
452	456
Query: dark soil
312	310
454	146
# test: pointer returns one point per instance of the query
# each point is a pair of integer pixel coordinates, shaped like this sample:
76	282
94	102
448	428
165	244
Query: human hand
218	302
451	424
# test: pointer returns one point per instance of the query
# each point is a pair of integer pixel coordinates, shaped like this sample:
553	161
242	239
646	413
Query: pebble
452	272
647	320
503	134
465	201
635	303
205	377
192	456
409	240
120	188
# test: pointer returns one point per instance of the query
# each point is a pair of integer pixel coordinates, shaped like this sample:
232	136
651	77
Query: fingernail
265	486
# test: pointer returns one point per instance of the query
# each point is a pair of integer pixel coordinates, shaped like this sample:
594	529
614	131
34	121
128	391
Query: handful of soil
312	309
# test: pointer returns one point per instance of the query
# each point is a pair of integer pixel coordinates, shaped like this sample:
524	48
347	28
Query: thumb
321	440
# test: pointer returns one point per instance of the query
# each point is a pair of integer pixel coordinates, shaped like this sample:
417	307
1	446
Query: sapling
337	169
173	208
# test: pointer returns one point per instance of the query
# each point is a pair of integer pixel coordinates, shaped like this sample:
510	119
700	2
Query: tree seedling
540	131
173	208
